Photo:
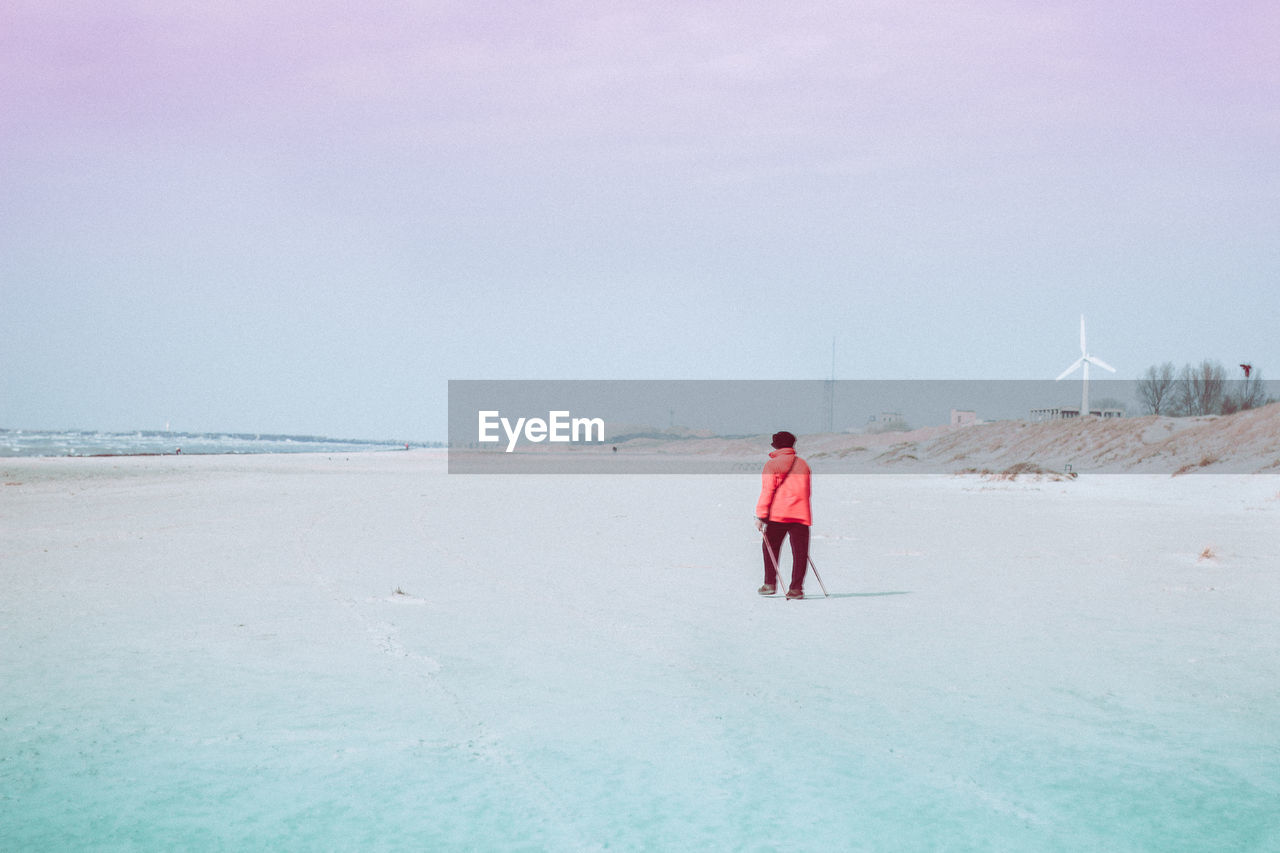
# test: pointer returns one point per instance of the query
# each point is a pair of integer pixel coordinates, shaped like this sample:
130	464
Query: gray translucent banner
993	428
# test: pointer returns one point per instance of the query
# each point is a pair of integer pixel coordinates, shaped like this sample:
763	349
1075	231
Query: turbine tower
1084	361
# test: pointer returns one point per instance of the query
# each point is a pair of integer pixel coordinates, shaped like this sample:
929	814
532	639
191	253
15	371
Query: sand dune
1243	443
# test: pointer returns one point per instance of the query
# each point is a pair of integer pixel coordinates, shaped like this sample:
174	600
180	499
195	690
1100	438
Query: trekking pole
825	594
773	560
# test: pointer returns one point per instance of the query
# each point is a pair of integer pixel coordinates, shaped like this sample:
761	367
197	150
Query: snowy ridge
1243	443
1247	442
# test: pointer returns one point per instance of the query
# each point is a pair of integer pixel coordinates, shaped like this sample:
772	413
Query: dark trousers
774	533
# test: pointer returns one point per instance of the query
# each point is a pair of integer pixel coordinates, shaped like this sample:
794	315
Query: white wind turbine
1084	361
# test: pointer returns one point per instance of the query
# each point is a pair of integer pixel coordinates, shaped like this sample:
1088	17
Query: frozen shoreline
39	443
363	651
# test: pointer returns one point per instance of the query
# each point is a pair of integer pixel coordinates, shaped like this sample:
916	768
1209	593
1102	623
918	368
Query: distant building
887	422
963	418
1063	414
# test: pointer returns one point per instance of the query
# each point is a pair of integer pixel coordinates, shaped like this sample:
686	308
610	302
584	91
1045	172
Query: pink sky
904	173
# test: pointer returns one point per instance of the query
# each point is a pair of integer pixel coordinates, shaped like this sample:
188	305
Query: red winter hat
783	439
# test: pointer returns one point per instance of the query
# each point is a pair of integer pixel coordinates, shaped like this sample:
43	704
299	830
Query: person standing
783	511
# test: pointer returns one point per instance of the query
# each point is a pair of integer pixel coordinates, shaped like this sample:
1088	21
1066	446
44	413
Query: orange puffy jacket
784	496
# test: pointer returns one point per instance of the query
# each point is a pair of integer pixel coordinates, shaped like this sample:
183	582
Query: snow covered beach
364	652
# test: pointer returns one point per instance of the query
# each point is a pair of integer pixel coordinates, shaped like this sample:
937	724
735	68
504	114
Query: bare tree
1245	394
1155	388
1254	395
1201	389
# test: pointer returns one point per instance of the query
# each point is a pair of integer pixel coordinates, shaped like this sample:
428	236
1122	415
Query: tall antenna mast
829	394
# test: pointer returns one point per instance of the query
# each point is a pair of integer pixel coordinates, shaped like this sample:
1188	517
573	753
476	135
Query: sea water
101	443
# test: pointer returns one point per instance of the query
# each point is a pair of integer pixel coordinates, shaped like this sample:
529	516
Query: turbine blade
1070	370
1100	363
1083	351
